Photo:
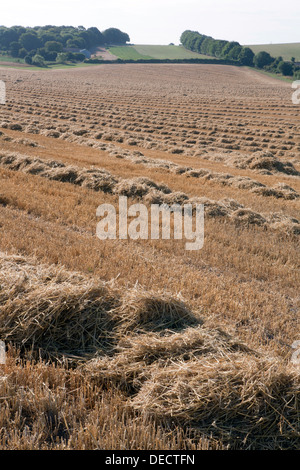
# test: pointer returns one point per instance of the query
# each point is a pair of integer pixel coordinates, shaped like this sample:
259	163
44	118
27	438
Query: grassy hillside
127	53
285	50
168	52
154	52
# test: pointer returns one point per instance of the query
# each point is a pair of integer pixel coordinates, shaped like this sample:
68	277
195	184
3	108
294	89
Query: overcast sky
163	21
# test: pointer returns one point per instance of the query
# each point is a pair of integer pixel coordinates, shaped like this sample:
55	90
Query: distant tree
186	34
30	41
206	45
62	58
273	67
234	53
76	43
193	43
293	60
38	60
18	30
286	68
197	44
115	36
213	48
65	37
95	37
78	57
246	56
14	48
46	36
48	55
53	46
7	36
262	59
28	59
22	53
227	48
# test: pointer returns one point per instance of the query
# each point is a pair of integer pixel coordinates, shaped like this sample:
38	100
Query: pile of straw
138	355
247	217
280	190
148	191
139	187
156	350
261	161
145	311
49	309
247	402
241	182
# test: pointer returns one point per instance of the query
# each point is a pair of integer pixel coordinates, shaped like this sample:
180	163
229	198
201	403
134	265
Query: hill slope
141	51
285	50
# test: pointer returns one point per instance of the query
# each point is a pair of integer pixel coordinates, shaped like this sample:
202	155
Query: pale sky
163	21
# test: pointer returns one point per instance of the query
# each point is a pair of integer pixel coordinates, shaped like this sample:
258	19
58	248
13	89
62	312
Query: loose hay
145	311
248	217
150	192
244	401
154	348
52	310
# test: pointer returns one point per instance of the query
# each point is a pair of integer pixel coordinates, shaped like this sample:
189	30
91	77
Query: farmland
141	344
167	52
127	53
154	52
286	51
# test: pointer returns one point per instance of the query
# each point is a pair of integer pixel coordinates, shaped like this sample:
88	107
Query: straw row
145	189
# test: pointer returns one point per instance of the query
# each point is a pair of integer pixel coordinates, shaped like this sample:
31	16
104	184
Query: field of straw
141	344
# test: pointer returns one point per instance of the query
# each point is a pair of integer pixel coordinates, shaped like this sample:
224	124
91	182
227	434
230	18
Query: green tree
14	48
53	46
76	43
197	44
7	36
30	41
218	47
115	36
28	59
38	60
262	59
62	58
206	44
286	68
227	48
22	53
234	53
246	56
46	36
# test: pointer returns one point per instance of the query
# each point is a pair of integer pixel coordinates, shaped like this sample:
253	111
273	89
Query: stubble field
124	344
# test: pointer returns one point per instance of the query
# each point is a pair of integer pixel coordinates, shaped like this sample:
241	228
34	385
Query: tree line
232	50
49	43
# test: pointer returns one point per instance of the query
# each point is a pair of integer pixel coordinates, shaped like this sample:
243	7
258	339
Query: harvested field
192	350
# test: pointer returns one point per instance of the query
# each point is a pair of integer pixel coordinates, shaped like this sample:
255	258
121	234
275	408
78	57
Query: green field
128	53
168	52
154	52
285	50
7	58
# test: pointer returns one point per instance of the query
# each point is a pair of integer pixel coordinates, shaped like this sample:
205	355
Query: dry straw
150	192
51	310
156	350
